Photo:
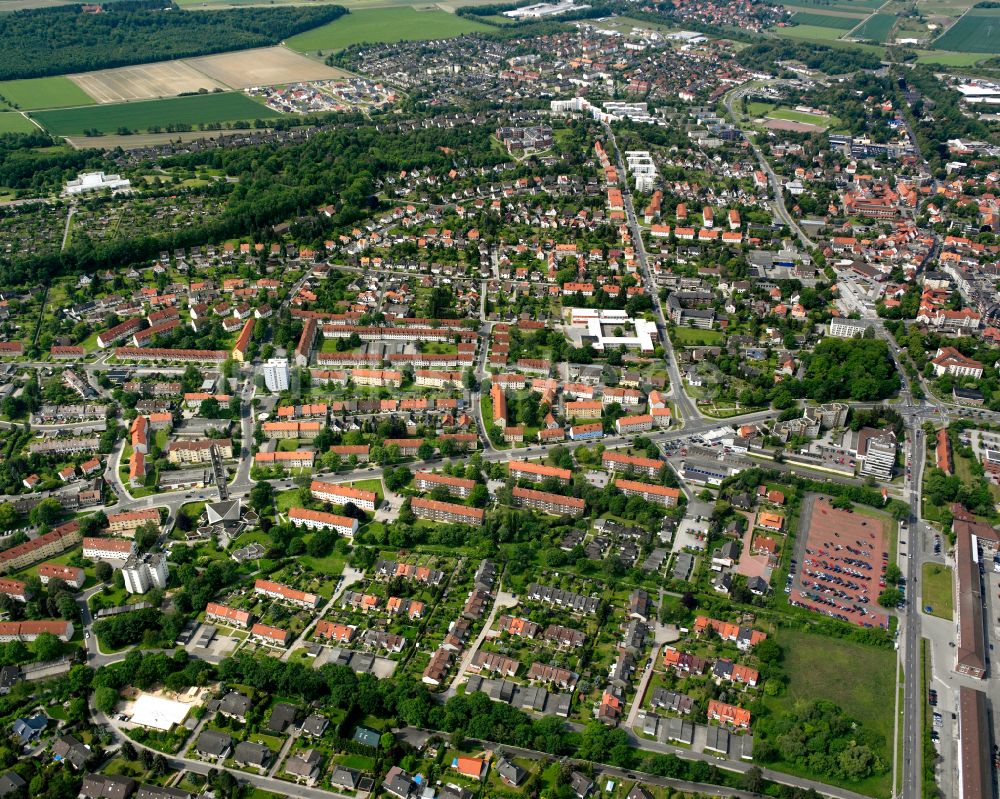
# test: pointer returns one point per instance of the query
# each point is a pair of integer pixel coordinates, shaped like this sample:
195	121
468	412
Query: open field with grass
383	25
937	590
13	122
949	59
876	28
199	109
34	93
826	20
815	667
976	32
693	337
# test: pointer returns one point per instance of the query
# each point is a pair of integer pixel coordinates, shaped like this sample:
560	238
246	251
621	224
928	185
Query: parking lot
840	569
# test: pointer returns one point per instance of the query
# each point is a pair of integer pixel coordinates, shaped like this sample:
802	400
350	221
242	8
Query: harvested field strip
264	67
144	82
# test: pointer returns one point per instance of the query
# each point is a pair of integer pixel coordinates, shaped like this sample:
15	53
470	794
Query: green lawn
194	110
937	590
284	500
330	566
370	485
857	678
692	336
31	94
383	25
13	122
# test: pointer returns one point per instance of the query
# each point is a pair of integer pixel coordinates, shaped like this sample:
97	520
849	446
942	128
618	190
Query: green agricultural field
976	32
876	28
810	33
34	93
13	122
383	25
816	667
825	20
949	59
200	109
850	6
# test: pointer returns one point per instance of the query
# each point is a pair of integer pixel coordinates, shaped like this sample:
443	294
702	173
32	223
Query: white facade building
146	572
97	181
276	375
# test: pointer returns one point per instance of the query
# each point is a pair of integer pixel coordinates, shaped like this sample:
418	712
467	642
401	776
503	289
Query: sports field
802	116
383	25
13	122
876	28
825	20
206	108
976	32
34	93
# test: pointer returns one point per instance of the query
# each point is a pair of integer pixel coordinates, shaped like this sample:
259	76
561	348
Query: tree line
54	41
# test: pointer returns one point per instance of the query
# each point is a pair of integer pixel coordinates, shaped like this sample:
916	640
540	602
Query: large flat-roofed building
446	512
877	451
276	375
606	329
975	772
847	328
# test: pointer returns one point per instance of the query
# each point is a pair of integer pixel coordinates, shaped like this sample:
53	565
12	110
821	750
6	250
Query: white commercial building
604	326
276	375
97	181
